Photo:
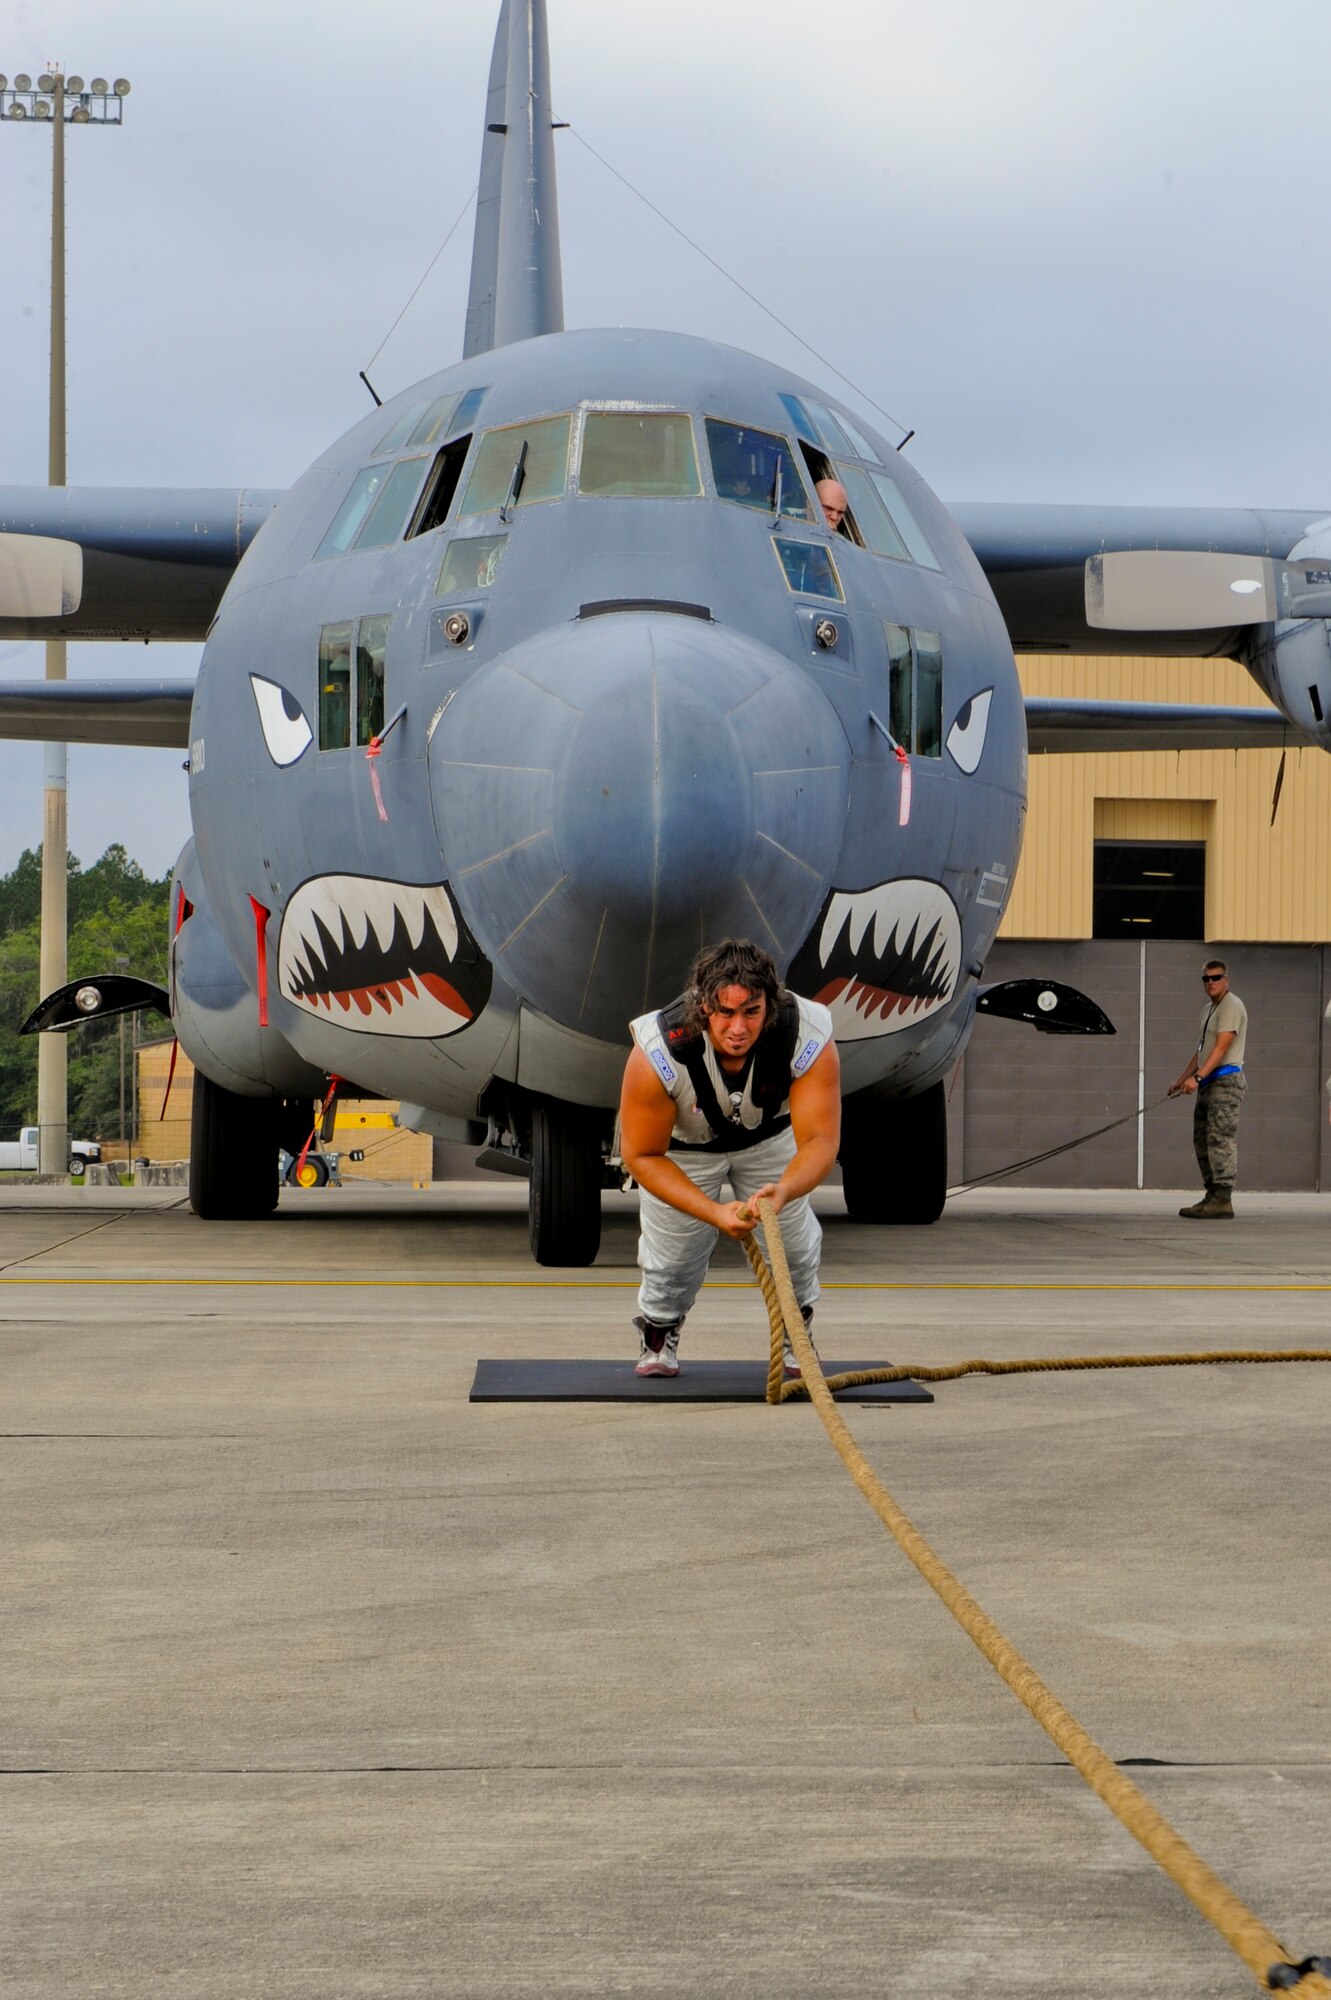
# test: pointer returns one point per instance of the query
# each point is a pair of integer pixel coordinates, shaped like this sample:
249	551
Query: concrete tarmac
320	1681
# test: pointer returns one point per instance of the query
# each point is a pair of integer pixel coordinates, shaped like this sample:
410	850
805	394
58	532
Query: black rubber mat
529	1381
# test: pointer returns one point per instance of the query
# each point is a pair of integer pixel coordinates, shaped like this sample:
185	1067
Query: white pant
674	1249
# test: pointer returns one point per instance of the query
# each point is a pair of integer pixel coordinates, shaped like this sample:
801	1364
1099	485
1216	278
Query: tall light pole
57	101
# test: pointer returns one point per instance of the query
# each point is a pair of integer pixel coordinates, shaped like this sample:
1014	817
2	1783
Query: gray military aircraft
553	668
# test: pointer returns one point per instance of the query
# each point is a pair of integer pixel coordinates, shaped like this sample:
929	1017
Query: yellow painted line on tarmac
625	1284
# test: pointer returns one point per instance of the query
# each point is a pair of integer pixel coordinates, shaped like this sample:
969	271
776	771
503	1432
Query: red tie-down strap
261	916
372	750
903	816
319	1125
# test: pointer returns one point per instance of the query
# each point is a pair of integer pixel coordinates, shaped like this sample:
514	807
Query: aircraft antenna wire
364	372
762	306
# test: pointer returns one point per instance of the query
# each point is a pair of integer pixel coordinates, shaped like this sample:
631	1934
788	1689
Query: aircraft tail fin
517	287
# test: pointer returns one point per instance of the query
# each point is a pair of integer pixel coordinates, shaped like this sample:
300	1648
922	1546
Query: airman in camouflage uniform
1215	1075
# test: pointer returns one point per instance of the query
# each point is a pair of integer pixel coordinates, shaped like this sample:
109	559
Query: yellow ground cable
1259	1948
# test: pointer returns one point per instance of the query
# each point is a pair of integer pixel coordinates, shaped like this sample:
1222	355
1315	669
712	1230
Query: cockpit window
745	464
875	525
638	452
518	465
371	652
351	514
912	534
335	686
394	439
376	510
392	507
433	422
471	563
808	568
833	430
862	446
915	690
344	693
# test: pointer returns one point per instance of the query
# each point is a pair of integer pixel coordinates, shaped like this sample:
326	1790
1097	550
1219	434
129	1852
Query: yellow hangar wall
1263	884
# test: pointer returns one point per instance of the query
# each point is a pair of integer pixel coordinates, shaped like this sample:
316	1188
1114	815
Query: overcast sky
1080	248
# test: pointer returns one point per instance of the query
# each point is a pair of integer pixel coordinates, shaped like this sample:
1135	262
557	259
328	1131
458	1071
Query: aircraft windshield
640	453
808	568
544	467
744	466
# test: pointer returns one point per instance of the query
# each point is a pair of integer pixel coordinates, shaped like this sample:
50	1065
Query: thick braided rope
1259	1948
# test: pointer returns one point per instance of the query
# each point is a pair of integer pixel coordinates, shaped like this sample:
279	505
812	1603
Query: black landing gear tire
564	1200
233	1154
894	1157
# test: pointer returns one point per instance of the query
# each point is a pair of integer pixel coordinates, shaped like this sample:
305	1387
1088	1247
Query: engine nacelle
1291	660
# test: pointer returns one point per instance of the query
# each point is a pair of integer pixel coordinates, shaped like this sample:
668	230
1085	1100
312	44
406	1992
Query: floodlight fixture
99	86
23	82
73	85
41	108
46	82
121	86
80	115
4	81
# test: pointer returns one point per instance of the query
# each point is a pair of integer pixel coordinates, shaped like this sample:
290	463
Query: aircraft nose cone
654	806
612	793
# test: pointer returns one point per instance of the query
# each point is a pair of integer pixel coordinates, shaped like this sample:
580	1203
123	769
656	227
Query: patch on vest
664	1065
805	1057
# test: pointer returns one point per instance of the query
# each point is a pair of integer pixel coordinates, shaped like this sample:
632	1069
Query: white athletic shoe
788	1354
658	1349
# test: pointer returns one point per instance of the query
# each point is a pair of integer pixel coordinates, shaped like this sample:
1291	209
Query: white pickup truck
20	1155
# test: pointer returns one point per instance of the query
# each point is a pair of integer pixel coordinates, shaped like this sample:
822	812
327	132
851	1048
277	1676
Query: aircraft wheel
564	1202
894	1157
233	1154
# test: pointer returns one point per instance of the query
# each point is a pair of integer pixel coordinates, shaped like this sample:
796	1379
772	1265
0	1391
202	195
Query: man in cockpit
834	500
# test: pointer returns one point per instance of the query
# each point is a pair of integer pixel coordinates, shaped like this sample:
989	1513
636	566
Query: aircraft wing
109	562
1054	724
153	713
1035	559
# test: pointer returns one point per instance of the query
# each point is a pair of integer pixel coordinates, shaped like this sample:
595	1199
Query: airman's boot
1218	1206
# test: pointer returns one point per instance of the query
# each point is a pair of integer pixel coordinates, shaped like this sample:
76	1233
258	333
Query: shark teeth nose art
381	958
881	959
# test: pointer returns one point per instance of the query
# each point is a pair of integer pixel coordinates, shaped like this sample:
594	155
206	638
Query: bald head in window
834	500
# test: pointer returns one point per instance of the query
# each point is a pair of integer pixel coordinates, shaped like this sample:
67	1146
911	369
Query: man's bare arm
646	1121
815	1119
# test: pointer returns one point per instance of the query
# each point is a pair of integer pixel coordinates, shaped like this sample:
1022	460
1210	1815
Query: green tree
116	912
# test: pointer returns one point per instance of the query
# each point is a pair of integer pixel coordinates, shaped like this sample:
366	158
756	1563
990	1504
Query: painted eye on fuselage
285	729
965	739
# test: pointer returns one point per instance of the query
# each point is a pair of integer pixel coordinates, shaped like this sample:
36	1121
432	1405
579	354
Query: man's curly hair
733	962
